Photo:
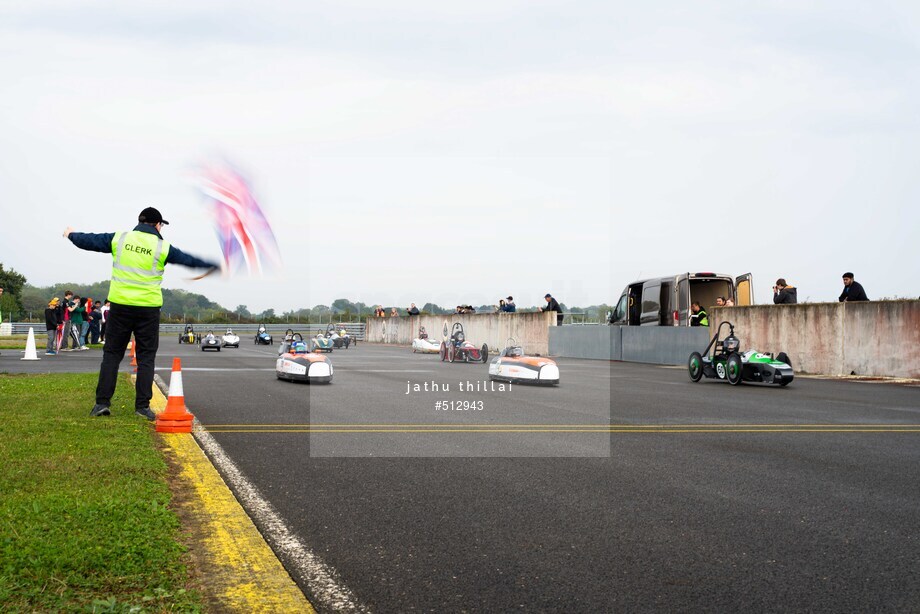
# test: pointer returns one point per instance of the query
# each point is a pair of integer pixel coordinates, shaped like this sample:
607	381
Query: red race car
458	349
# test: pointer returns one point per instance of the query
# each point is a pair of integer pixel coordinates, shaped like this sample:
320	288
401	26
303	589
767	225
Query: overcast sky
414	151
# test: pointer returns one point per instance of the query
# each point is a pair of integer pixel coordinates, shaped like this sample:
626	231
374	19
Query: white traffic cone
31	354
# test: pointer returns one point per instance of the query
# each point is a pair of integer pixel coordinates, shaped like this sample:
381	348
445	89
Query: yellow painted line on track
239	567
535	431
559	426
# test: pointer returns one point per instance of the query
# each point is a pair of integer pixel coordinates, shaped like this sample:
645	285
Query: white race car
229	340
425	345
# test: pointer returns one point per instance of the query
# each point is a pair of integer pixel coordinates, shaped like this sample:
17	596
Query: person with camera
139	259
784	294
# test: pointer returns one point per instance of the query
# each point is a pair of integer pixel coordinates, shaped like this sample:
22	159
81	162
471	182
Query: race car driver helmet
731	344
298	347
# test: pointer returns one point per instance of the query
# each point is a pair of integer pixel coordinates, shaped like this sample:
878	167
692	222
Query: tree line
22	301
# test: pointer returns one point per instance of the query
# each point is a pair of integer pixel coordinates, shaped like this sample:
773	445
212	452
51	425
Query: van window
651	304
620	313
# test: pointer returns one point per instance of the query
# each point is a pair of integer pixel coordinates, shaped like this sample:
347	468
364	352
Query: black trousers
123	320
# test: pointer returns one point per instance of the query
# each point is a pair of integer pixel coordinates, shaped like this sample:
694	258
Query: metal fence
355	329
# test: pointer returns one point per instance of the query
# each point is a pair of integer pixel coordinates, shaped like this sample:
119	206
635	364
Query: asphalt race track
626	488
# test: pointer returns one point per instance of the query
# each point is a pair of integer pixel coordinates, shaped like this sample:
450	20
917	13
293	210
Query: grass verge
84	517
11	343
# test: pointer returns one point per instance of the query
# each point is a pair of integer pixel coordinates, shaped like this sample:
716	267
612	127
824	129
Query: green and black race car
722	359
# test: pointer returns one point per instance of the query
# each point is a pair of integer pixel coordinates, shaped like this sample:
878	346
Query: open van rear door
744	290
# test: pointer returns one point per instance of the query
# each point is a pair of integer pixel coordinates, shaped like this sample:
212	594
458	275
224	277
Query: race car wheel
695	366
484	352
733	369
783	357
442	351
451	352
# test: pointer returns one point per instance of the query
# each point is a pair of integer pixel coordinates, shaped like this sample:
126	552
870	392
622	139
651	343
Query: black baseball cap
151	216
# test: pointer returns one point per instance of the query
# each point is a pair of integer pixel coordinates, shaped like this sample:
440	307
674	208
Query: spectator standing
784	294
77	319
509	307
95	322
553	305
52	320
105	315
720	301
852	290
379	312
66	308
88	320
393	312
412	310
139	259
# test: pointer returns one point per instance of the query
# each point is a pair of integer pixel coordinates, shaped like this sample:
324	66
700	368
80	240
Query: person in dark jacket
784	294
509	306
852	290
139	258
412	310
52	315
95	321
553	305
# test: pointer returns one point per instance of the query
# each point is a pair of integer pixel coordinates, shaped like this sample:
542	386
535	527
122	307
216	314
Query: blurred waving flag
246	237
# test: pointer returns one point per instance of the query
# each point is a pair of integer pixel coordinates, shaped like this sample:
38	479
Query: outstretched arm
177	256
90	241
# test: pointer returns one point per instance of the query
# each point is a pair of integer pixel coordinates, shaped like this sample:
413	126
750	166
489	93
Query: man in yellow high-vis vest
139	259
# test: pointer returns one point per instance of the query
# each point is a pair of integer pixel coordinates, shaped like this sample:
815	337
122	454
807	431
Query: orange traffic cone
176	417
133	357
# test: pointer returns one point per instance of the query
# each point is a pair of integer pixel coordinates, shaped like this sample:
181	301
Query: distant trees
12	284
20	299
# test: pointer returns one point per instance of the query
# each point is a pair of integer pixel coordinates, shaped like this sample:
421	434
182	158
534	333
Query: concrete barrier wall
598	342
660	345
878	338
529	329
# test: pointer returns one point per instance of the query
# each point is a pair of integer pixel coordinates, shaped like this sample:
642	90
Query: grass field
84	517
18	342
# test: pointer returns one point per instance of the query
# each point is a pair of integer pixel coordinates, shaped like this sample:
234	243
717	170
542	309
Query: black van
665	301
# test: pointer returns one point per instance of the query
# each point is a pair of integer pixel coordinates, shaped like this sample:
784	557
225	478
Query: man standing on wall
852	290
139	258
